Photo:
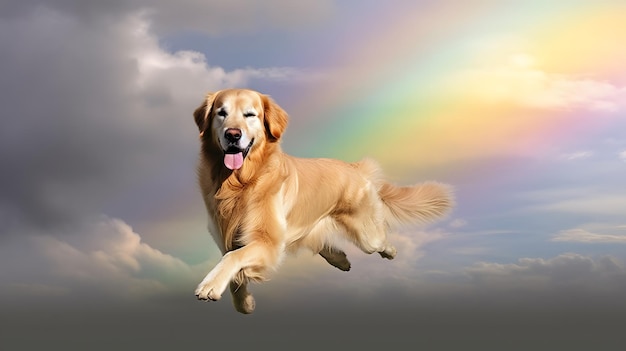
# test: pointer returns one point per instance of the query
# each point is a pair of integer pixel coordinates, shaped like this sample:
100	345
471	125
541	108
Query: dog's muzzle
234	154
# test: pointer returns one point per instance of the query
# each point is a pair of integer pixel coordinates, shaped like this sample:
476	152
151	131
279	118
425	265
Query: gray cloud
92	108
74	120
569	274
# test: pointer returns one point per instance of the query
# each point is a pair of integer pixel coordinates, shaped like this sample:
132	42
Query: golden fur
271	203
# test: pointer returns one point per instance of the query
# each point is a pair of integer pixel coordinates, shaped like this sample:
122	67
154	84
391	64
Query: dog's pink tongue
233	161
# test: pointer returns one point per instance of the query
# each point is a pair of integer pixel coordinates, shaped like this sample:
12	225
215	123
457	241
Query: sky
519	105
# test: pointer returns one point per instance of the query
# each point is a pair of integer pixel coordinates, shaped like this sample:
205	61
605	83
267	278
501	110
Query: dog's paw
343	265
337	258
389	252
245	305
206	291
341	261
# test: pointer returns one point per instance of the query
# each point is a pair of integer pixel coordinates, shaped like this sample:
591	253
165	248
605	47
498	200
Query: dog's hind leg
368	235
336	258
242	298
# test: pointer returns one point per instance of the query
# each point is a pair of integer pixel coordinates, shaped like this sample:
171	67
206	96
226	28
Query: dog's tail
419	203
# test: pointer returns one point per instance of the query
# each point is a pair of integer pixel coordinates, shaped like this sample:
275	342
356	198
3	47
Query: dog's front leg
214	284
258	255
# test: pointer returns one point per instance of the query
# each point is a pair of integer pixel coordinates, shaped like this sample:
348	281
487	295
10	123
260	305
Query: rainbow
420	95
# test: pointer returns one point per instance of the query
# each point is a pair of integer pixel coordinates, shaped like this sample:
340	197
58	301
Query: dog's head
239	122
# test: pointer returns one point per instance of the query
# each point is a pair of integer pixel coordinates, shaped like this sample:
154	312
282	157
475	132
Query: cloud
103	258
622	155
584	236
567	272
93	108
519	82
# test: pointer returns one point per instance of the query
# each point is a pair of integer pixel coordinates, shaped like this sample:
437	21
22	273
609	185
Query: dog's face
238	122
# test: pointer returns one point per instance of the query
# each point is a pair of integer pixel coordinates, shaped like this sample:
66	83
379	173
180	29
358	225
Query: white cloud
584	236
622	155
518	81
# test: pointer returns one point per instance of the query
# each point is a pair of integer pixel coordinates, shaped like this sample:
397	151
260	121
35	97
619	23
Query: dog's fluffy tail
420	203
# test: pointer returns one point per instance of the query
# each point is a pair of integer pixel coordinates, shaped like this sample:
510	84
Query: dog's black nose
232	134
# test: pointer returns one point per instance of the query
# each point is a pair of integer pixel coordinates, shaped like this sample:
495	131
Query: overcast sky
518	105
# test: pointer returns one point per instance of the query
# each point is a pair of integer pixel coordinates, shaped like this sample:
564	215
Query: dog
263	203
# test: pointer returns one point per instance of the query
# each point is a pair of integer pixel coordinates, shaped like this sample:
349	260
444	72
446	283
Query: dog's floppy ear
276	118
202	112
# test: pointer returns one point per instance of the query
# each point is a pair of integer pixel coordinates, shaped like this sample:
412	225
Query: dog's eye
222	113
249	114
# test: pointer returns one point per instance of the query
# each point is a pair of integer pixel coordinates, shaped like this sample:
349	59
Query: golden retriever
263	203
